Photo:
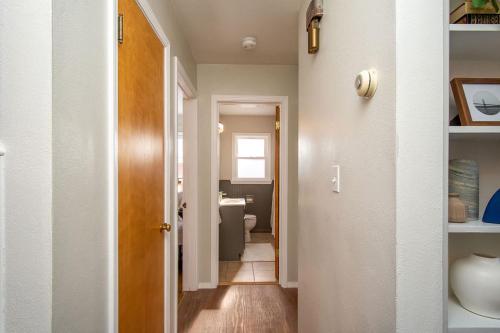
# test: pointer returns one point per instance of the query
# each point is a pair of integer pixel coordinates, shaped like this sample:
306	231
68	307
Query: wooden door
277	194
140	174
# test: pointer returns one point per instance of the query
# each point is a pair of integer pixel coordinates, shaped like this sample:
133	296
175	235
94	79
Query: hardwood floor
242	308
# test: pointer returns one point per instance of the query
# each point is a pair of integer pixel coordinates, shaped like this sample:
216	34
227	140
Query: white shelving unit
474	41
473	52
461	320
478	227
474	27
474	132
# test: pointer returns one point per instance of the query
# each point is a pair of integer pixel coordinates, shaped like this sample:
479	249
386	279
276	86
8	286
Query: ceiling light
249	43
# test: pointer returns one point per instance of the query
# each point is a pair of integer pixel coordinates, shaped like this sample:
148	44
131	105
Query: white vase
476	282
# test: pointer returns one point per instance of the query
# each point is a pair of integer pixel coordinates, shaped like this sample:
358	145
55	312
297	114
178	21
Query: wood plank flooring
239	308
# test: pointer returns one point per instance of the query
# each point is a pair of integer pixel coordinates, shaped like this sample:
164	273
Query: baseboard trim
291	284
206	285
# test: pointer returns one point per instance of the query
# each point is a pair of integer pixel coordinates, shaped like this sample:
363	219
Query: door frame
214	183
168	155
190	234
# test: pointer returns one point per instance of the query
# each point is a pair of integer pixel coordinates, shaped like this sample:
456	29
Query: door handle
165	227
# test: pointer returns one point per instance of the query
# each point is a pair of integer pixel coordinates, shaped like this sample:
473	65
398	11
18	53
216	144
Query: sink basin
232	202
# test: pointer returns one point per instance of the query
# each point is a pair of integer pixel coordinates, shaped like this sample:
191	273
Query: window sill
251	182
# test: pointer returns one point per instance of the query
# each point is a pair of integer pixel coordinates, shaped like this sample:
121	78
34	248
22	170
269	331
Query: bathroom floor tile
238	266
240	276
263	266
258	252
262	237
222	268
264	276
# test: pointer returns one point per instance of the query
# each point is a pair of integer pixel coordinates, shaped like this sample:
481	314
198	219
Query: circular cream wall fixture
249	43
366	83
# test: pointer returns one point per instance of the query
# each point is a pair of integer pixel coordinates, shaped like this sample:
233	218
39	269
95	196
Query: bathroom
247	159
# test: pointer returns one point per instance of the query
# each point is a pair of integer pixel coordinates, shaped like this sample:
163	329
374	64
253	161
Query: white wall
25	131
371	257
84	157
245	80
420	124
242	124
347	240
83	149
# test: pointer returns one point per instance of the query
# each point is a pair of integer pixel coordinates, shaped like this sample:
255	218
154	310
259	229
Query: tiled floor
262	237
258	252
256	265
246	272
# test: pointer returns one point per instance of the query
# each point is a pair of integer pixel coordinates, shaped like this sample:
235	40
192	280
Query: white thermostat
366	83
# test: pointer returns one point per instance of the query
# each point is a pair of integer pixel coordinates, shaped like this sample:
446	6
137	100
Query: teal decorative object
464	180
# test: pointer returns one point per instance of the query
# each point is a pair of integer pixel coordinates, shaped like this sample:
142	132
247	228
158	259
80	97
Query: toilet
250	223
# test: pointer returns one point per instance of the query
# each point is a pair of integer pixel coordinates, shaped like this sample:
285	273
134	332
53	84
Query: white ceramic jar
476	282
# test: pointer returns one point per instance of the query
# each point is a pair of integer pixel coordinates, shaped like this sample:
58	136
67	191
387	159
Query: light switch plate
335	178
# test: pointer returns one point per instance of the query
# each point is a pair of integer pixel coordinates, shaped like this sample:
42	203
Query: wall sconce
221	128
366	83
313	16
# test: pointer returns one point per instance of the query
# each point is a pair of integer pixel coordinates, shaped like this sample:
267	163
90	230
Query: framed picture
478	101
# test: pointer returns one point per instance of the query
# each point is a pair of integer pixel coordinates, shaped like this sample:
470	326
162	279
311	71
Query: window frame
267	158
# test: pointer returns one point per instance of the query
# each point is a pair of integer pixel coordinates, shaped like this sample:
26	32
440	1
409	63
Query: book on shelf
479	19
467	14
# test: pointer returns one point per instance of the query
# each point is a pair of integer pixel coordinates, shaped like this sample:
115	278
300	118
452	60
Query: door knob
165	227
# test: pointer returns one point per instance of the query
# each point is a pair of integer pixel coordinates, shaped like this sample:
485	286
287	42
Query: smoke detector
249	43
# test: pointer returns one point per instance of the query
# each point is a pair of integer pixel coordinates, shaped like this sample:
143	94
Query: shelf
474	42
475	27
474	227
474	132
463	321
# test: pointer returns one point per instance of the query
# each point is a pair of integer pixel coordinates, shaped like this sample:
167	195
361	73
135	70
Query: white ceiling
214	29
247	109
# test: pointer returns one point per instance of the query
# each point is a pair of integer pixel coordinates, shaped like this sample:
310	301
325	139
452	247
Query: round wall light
249	43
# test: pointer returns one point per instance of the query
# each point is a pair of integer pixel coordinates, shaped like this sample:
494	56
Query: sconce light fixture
366	83
221	128
313	16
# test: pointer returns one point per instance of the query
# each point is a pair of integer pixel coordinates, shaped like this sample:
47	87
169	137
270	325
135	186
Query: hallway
268	308
139	194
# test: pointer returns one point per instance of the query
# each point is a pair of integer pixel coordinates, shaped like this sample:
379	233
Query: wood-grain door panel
140	174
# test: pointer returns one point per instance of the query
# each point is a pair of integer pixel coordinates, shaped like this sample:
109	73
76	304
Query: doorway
276	264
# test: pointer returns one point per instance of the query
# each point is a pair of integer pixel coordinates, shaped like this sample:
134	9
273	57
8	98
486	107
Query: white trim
251	181
190	231
267	158
2	241
292	284
207	285
112	55
155	24
214	181
184	81
113	247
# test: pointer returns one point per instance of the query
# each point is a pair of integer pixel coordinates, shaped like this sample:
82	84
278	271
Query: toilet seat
250	217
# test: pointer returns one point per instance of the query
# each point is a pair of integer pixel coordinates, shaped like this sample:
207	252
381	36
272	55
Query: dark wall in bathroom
263	194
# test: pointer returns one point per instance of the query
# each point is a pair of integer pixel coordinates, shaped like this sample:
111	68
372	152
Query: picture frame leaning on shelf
478	100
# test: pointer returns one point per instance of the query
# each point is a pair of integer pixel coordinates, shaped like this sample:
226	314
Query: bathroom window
251	158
